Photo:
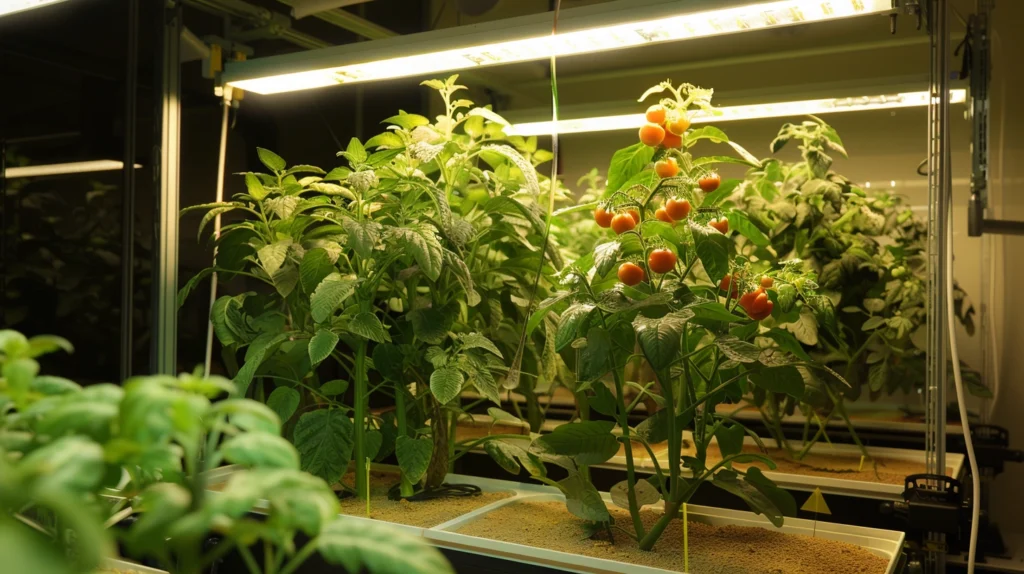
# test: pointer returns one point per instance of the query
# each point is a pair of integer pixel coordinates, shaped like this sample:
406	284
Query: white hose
960	398
221	160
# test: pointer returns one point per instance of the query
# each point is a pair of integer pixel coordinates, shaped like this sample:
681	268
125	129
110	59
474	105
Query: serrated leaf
873	322
655	428
413	456
254	357
388	360
386	140
285	279
478	341
569	324
369	546
270	159
625	164
878	376
315	266
254	187
737	350
272	256
260	450
362	236
324	440
366	324
606	255
422	243
328	295
706	132
431	324
742	224
659	338
407	121
713	249
583	500
284	401
783	379
446	384
321	346
595	358
355	152
527	169
587	442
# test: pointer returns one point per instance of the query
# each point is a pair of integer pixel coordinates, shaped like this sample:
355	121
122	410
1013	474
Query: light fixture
15	6
609	26
734	113
65	168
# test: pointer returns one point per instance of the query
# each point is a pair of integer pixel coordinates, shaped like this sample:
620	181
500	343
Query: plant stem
634	508
671	509
301	556
359	419
406	488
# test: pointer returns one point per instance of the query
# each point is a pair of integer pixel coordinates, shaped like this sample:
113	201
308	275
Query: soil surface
712	549
425	513
848	467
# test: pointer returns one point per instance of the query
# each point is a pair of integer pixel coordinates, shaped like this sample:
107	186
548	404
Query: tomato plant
701	348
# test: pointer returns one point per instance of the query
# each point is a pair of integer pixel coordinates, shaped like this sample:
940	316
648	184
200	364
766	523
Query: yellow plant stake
367	487
686	541
861	467
816	503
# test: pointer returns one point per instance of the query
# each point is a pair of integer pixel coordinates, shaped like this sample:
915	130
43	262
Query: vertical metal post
128	191
165	268
939	182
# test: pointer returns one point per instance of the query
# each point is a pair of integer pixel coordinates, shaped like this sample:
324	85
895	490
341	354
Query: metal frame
165	268
128	191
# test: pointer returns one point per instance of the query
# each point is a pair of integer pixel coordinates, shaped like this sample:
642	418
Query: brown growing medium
426	513
845	466
713	549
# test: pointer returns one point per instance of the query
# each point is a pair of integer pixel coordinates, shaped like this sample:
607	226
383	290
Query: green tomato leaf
274	162
283	401
783	379
366	324
334	387
659	338
570	323
583	500
377	547
595	358
625	164
714	250
588	442
315	267
389	361
413	456
328	295
324	440
321	346
742	224
260	450
446	384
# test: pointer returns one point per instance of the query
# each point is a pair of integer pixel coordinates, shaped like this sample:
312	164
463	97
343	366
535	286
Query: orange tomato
622	222
671	140
728	284
630	273
602	217
666	167
678	125
635	215
662	214
656	114
710	182
661	261
677	209
652	134
722	225
767	282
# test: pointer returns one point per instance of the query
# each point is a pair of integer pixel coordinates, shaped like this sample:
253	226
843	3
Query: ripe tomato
671	140
721	225
623	222
747	300
652	134
728	284
761	307
635	215
666	167
678	125
656	114
710	182
663	215
767	282
661	261
630	273
602	217
677	209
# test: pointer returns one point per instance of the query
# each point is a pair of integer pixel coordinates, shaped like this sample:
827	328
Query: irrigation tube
960	398
221	160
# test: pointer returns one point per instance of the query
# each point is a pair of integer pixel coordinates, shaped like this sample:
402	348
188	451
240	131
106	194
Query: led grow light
735	113
15	6
65	168
621	24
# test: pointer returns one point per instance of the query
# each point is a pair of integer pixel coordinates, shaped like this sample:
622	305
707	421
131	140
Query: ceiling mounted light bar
65	168
735	113
611	26
14	6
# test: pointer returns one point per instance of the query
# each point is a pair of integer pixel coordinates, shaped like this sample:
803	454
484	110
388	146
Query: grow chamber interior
870	262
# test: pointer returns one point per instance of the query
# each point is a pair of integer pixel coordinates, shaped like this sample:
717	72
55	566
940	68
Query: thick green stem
648	541
583	404
406	487
634	508
359	420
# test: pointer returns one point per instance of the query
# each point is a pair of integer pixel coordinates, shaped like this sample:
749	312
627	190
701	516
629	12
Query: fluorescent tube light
611	26
735	113
15	6
65	168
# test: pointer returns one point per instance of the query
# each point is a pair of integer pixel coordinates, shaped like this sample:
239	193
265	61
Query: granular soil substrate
713	549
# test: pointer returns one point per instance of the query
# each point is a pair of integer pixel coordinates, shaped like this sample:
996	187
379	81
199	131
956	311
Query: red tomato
710	182
602	217
661	261
656	114
671	140
663	215
722	225
678	209
728	284
622	222
635	215
652	134
630	273
666	167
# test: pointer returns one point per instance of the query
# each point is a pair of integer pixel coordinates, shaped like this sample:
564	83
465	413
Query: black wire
444	491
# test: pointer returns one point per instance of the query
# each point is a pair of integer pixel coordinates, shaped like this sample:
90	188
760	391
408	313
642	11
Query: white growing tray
885	543
828	485
127	566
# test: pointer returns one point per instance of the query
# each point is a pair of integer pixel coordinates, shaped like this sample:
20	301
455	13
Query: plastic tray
127	566
885	543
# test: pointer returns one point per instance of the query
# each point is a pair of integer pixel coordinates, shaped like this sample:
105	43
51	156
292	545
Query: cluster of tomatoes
756	302
664	128
619	222
659	261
